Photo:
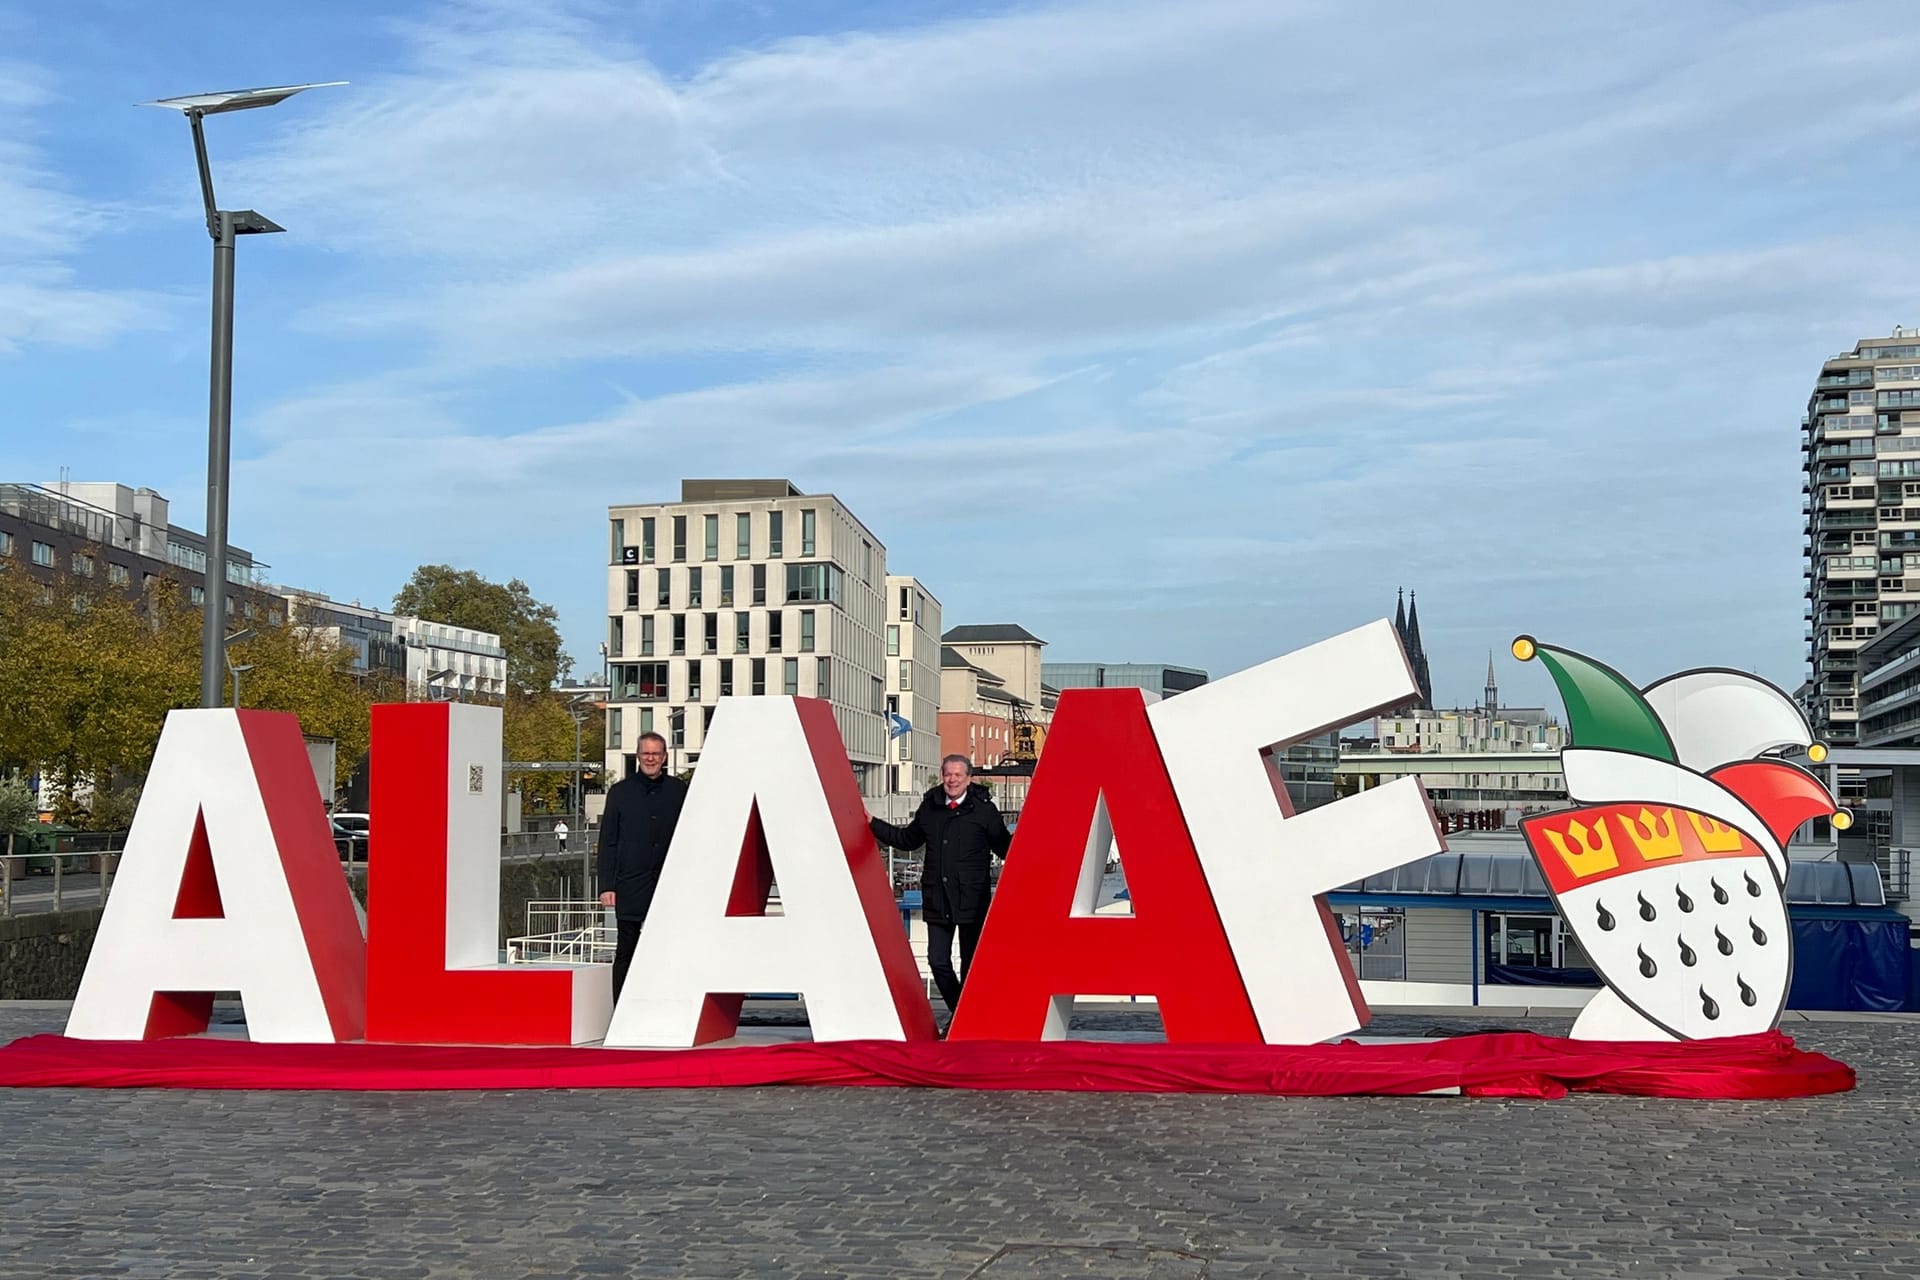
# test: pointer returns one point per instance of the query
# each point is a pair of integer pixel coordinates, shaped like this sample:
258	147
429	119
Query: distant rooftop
737	490
991	633
950	660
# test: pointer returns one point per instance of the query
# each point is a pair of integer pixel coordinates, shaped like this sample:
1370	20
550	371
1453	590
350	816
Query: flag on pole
898	726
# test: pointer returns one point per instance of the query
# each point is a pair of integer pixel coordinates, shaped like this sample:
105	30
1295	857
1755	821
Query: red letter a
1101	779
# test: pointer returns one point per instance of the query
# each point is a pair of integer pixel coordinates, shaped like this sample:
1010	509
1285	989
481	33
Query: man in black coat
961	829
635	831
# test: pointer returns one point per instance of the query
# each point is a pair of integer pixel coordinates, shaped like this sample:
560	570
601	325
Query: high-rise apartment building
913	685
1862	516
743	587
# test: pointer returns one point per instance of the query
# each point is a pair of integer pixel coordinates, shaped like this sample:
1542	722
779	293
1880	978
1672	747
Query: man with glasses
635	833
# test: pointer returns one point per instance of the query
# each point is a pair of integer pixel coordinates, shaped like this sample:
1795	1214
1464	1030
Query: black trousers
940	957
629	938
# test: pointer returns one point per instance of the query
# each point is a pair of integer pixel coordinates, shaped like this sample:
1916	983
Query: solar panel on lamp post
223	226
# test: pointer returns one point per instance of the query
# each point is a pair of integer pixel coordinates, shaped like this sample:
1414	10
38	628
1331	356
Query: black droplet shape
1646	908
1687	956
1606	916
1759	934
1753	890
1708	1005
1722	941
1719	894
1747	996
1686	903
1647	967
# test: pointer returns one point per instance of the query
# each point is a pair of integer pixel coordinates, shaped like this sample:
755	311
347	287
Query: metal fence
76	872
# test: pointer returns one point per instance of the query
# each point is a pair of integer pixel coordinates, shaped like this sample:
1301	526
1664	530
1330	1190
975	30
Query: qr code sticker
476	779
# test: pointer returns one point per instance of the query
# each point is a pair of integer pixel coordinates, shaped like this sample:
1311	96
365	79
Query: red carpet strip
1507	1064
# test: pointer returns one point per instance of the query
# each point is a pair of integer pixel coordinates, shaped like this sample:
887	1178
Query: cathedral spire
1400	613
1493	691
1416	652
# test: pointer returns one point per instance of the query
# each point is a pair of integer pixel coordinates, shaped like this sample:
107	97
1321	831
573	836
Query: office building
1861	517
913	685
743	587
108	538
1160	679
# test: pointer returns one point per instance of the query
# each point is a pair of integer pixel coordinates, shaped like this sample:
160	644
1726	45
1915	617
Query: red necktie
953	804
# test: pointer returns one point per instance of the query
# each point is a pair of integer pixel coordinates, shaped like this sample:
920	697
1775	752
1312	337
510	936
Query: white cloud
42	228
1342	295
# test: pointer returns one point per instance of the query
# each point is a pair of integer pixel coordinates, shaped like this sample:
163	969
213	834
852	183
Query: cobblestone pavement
891	1182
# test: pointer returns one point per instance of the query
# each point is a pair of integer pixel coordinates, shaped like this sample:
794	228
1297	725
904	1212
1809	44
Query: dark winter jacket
634	834
956	881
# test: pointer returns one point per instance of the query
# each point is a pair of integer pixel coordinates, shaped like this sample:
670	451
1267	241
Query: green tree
526	627
541	728
17	807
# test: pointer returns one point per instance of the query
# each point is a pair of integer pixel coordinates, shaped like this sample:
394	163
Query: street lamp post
232	666
223	226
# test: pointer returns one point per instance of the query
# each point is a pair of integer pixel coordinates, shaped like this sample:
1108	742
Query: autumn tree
86	682
526	627
541	728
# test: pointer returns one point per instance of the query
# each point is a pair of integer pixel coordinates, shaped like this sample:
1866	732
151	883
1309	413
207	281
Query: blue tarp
1853	963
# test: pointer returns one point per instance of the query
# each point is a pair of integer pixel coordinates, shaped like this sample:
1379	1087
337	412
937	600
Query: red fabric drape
1508	1064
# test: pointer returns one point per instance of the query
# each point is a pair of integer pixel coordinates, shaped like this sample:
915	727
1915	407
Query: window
866	561
726	678
807	532
759	685
881	702
677	734
809	583
614	719
706	723
693	680
679	633
696	586
616	635
646	720
906	675
743	536
198	595
1376	943
617	537
710	531
6	543
790	677
893	640
823	678
43	556
711	633
742	631
775	534
83	565
774	619
905	612
663	588
646	635
759	584
646	539
633	588
726	586
640	681
117	574
679	538
806	631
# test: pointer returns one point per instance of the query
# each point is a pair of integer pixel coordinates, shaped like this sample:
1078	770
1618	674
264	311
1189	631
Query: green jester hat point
1603	709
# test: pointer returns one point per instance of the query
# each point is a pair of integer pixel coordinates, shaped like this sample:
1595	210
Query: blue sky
1173	332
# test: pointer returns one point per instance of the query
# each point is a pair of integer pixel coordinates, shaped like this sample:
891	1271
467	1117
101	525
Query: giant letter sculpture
773	800
1269	869
1043	944
433	896
229	882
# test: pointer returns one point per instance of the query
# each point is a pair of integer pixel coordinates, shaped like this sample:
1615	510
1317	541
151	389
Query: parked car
350	844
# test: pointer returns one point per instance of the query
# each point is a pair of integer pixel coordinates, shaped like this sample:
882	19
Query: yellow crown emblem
1591	857
1649	838
1715	836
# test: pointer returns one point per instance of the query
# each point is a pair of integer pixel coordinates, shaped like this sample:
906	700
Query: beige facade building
913	685
1861	517
994	707
743	587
